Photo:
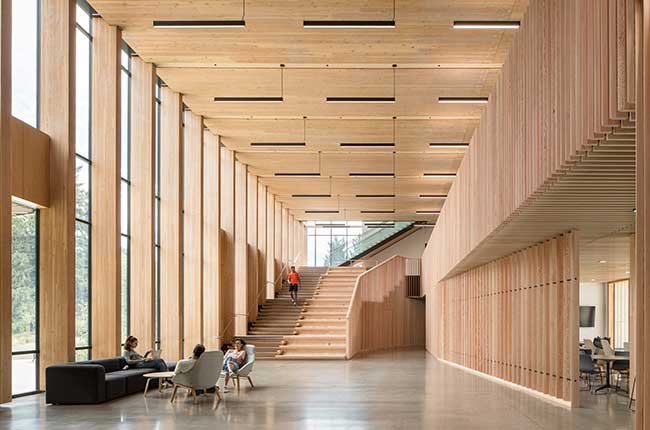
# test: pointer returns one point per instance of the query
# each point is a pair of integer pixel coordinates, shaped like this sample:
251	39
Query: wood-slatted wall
241	249
515	318
380	315
565	83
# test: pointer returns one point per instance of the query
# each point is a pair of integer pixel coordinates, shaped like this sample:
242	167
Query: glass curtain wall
25	49
125	200
83	179
328	242
157	218
24	297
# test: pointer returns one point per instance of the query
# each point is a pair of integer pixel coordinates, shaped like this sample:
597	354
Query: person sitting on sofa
137	361
234	359
186	365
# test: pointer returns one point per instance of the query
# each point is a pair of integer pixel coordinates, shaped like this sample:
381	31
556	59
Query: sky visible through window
24	64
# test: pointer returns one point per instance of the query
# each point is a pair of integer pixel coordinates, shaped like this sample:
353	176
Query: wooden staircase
278	317
320	330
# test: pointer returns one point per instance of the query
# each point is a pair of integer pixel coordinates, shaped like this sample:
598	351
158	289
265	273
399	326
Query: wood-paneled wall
240	268
563	86
261	242
57	221
30	163
515	318
105	190
277	248
171	234
142	288
227	269
380	315
5	202
211	240
193	190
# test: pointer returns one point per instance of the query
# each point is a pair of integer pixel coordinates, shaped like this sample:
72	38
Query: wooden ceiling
431	59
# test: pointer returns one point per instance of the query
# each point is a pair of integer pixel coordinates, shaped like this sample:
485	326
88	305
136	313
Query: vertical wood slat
270	245
5	202
211	240
142	306
277	250
105	190
240	268
227	202
534	341
171	234
57	222
262	226
193	162
252	250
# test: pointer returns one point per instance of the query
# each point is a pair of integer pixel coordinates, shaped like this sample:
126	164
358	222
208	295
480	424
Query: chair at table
246	369
203	376
622	367
589	369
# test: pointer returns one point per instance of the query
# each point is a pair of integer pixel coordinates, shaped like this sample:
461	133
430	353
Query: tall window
24	60
618	297
157	218
329	242
84	157
24	296
125	113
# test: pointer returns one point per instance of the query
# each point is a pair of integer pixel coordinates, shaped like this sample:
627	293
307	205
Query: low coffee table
160	376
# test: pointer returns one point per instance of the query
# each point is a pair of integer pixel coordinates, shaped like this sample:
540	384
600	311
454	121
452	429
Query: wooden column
261	242
241	249
170	224
284	252
277	246
143	134
227	202
252	247
211	240
105	191
5	201
57	222
291	237
270	246
193	232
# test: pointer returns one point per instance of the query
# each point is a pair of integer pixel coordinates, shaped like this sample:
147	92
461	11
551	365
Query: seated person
137	361
186	365
234	359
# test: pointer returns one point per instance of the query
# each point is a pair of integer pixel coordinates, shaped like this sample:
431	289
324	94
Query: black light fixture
348	24
439	175
297	174
433	196
311	195
448	145
427	212
374	196
237	23
371	174
321	211
367	145
463	100
478	25
277	144
379	225
378	212
368	100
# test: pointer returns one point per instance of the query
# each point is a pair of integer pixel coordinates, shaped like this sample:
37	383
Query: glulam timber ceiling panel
431	60
274	33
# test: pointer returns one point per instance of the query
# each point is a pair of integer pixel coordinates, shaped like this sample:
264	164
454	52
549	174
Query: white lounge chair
246	369
203	376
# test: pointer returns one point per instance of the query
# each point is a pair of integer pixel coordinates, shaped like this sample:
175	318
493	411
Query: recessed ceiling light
506	25
369	100
238	23
463	100
248	99
347	24
603	261
592	280
627	272
311	195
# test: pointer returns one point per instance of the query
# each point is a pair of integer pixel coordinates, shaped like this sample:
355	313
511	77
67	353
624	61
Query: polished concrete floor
395	390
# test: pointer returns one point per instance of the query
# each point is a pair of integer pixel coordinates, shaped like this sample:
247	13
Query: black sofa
94	381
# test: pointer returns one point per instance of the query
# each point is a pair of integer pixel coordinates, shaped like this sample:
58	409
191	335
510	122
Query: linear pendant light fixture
310	195
427	212
366	100
227	23
439	175
448	145
349	23
463	100
433	196
382	174
481	25
375	196
256	99
297	174
278	144
367	145
321	211
378	212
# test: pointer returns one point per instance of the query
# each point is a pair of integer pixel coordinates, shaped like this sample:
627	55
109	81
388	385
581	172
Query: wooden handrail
356	284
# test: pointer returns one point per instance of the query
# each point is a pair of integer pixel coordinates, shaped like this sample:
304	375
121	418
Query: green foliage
24	278
337	252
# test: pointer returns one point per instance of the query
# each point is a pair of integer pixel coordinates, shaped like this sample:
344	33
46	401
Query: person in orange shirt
294	280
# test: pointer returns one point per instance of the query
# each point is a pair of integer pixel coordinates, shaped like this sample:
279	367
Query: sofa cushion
110	364
135	381
115	385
